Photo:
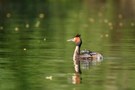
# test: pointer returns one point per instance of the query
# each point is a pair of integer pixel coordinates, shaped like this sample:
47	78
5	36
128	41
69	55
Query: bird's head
76	39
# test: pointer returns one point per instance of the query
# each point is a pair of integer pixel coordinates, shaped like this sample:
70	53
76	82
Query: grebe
83	55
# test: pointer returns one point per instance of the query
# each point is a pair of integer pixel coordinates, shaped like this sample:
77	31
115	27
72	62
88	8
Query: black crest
78	35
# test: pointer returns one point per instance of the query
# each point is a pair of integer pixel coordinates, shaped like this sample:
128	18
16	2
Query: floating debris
41	15
16	29
49	77
8	15
37	24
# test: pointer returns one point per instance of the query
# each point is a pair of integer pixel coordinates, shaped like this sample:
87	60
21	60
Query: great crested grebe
83	55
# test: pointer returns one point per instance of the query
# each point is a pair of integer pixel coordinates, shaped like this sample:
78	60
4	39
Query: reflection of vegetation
31	31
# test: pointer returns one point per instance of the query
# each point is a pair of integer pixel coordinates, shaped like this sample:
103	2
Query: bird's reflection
86	64
76	78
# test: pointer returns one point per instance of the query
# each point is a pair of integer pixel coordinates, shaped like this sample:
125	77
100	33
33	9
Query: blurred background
34	53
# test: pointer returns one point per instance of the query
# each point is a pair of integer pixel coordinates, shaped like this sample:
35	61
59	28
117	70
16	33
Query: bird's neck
76	53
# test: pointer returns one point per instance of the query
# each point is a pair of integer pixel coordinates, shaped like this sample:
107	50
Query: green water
35	54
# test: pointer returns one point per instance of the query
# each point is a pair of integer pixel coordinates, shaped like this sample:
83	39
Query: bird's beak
71	40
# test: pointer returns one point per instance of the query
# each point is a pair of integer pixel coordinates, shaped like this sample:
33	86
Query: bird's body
83	55
89	55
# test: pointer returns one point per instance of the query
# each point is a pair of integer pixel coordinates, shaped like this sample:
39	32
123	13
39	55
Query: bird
83	55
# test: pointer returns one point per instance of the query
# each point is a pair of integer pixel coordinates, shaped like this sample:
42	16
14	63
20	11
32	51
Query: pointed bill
71	40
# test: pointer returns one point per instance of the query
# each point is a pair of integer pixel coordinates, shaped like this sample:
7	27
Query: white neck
76	59
76	53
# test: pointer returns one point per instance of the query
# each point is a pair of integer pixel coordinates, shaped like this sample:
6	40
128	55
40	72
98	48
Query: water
35	54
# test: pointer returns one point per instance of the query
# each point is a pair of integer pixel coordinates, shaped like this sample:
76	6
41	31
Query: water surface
35	54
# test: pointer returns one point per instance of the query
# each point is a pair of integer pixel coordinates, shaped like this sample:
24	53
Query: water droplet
105	21
16	29
111	27
27	25
44	39
24	49
8	15
120	16
106	35
132	24
110	24
101	35
91	20
120	24
41	15
1	27
100	14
